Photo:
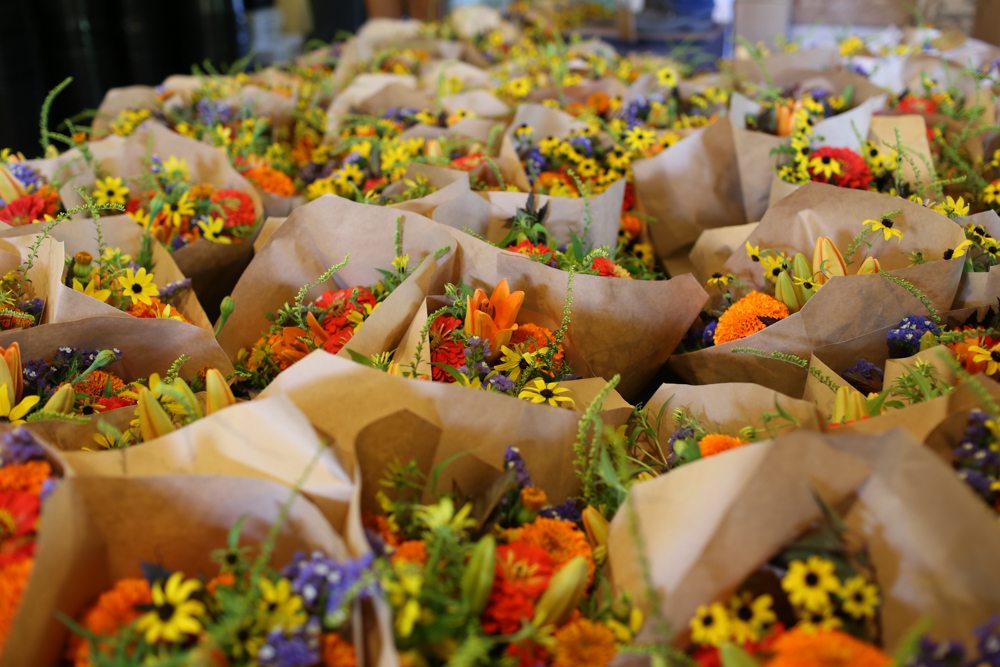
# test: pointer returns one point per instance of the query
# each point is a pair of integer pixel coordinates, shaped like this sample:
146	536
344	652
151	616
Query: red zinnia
444	350
18	517
628	202
913	104
468	162
114	402
237	207
523	572
27	209
854	171
605	267
529	249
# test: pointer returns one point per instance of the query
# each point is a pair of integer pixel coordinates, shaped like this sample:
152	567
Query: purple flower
211	113
32	306
582	145
501	383
293	649
938	654
171	290
568	510
512	460
25	174
328	586
708	334
19	446
904	338
865	376
988	643
177	243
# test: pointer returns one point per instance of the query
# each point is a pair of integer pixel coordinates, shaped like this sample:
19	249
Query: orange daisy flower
584	642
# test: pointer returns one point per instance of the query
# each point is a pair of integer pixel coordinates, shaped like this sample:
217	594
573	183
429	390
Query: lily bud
827	260
565	591
784	291
477	581
153	419
869	266
849	405
596	527
218	395
62	401
12	360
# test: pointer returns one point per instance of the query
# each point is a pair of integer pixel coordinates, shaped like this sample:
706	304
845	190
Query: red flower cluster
529	249
339	304
913	104
238	209
854	171
29	208
444	350
523	572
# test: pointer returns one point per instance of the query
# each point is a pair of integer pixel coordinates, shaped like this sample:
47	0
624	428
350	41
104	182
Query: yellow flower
519	87
514	363
825	165
140	216
639	139
710	625
278	607
222	135
851	46
991	356
886	225
753	252
991	193
176	169
538	391
212	228
810	583
139	286
860	598
110	191
175	214
959	250
720	279
666	77
950	206
91	289
174	615
750	617
320	187
15	414
773	266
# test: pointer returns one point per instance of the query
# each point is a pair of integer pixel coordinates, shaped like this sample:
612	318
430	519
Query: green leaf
734	656
910	644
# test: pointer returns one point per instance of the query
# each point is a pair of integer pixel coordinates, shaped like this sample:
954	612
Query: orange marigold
156	309
562	540
223	580
825	648
584	642
743	318
271	180
410	551
13	579
338	652
96	382
28	477
532	337
113	610
533	498
716	443
631	224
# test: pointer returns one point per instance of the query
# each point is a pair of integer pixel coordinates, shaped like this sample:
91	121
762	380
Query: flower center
709	621
6	524
995	356
812	580
136	288
949	253
887	223
744	613
165	612
546	393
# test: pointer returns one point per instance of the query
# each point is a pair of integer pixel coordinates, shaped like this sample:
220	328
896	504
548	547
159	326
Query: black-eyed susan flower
639	139
92	288
110	190
884	224
991	193
174	214
278	606
173	616
753	252
175	169
989	356
138	286
711	625
810	583
666	77
720	279
750	617
824	165
514	363
549	393
213	228
959	250
951	206
859	598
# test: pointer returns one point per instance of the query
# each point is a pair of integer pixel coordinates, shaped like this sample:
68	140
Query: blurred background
108	43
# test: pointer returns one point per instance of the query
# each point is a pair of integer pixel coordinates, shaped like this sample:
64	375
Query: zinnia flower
26	210
237	207
584	642
562	540
824	648
444	350
522	573
18	518
747	316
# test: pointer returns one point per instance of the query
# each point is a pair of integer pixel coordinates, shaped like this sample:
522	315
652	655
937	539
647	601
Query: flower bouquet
981	284
216	558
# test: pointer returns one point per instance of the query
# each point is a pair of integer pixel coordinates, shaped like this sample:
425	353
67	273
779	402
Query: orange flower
631	225
410	551
533	498
338	652
201	191
966	357
584	642
560	539
271	180
716	443
533	337
95	383
493	319
224	580
12	357
113	610
599	101
13	580
28	477
825	648
743	318
156	309
548	179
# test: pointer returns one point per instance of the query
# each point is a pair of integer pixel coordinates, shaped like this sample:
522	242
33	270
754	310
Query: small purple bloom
501	383
293	649
512	460
19	446
568	510
25	174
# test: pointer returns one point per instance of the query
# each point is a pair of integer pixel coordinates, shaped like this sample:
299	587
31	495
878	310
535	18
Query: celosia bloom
747	316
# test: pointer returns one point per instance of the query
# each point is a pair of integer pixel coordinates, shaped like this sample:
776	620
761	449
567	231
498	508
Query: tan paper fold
715	246
45	274
117	100
95	531
317	236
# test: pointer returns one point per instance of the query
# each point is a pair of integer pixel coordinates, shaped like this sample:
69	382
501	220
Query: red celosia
523	572
238	209
854	171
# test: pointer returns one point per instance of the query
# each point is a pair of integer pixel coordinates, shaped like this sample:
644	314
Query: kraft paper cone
117	100
911	131
362	87
449	184
317	236
341	398
45	274
212	267
471	77
916	518
119	231
715	246
816	209
830	316
95	531
701	163
267	439
777	64
980	289
481	103
727	408
619	326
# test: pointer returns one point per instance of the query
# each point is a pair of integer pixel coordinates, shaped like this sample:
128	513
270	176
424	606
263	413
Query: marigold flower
337	651
829	648
410	551
13	580
113	610
28	477
271	180
562	540
744	317
95	384
584	642
716	443
533	498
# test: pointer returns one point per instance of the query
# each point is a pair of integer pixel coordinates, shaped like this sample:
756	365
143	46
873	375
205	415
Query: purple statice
500	383
937	654
708	334
32	307
39	377
477	351
988	643
568	510
19	446
535	162
904	338
299	648
512	460
25	174
400	114
212	113
681	435
864	376
156	164
583	145
327	586
172	289
977	459
178	243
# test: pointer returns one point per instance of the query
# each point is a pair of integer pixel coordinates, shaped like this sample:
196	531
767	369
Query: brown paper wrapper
916	518
267	440
431	422
95	531
715	246
45	275
117	100
119	231
703	163
321	234
980	289
777	64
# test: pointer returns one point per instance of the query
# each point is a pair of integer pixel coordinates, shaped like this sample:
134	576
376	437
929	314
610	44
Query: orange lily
12	377
493	319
